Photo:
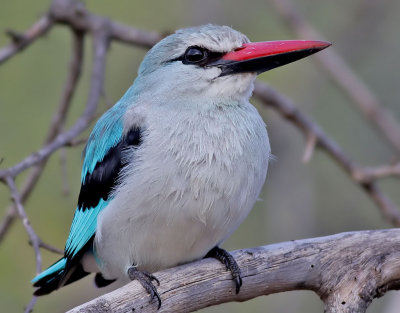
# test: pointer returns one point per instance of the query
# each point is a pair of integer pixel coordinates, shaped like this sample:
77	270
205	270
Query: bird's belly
165	222
182	196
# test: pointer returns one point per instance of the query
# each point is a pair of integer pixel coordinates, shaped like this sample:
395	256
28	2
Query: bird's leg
146	280
225	257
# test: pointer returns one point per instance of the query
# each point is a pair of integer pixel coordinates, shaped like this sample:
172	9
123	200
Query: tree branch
342	75
34	239
378	172
74	14
101	41
347	271
59	117
286	107
21	41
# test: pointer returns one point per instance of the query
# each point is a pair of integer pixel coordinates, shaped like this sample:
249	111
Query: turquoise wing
101	167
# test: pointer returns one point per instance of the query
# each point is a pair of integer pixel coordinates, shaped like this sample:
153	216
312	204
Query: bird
175	166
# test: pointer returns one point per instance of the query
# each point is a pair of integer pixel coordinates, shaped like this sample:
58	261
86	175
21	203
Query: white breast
189	185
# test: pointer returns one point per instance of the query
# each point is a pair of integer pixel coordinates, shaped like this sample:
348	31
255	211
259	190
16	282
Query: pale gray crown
214	38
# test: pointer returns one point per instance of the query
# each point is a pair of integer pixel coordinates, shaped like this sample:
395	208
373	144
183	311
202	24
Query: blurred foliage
299	200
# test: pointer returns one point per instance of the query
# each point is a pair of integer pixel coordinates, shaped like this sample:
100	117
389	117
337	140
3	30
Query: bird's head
215	62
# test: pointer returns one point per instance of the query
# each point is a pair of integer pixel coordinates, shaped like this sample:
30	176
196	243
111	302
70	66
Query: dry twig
31	304
101	40
25	221
16	45
310	147
48	247
288	109
378	172
55	127
343	76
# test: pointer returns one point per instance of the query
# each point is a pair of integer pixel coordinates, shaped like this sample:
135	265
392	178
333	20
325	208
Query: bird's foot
225	257
146	280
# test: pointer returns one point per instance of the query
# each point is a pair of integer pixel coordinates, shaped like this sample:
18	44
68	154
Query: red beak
258	57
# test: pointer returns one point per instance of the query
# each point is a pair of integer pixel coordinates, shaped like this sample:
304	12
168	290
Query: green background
299	200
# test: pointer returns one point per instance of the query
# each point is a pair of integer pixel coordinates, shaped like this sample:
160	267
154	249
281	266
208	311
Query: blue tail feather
53	270
50	279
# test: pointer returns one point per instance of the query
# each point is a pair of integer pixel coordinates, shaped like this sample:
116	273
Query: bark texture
346	270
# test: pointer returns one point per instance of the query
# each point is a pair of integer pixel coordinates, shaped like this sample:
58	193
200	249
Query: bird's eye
194	55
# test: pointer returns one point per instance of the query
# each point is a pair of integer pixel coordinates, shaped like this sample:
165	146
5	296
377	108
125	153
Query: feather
96	192
102	166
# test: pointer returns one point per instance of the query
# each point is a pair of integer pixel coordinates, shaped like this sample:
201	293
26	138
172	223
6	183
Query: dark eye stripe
207	56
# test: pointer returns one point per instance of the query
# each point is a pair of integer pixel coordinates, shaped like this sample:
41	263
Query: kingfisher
176	165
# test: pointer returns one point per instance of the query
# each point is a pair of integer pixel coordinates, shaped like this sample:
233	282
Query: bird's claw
146	280
226	258
151	277
238	282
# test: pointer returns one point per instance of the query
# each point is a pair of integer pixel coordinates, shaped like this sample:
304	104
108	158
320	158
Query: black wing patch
99	184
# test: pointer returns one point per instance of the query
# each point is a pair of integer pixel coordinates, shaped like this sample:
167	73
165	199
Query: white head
213	62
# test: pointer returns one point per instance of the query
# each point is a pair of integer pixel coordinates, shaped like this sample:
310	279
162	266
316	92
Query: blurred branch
310	147
287	109
59	117
101	40
343	76
347	271
374	173
33	238
25	221
20	41
77	142
48	247
74	14
31	304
